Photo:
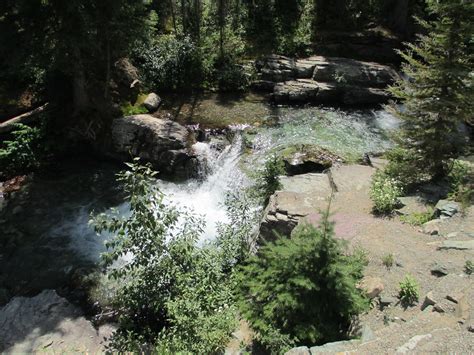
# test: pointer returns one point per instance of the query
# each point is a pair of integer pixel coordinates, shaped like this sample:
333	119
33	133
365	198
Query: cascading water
44	231
207	198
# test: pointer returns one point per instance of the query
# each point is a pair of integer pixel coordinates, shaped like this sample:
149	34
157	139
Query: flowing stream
45	237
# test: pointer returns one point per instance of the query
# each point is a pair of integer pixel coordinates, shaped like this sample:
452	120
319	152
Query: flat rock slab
300	196
457	245
48	323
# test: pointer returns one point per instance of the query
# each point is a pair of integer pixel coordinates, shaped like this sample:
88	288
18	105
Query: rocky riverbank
324	80
443	319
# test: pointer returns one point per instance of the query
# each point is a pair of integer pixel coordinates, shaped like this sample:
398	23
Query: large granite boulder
163	143
324	80
300	196
48	323
307	158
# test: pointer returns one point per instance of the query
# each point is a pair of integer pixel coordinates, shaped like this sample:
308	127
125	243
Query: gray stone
457	245
429	300
152	102
470	327
439	269
335	347
431	227
411	344
301	350
446	208
160	142
455	297
372	286
386	301
366	334
300	196
411	205
47	321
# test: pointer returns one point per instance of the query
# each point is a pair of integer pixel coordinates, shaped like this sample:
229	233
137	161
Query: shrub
469	267
129	110
418	218
172	294
461	187
267	181
170	63
300	290
384	192
24	153
388	260
409	291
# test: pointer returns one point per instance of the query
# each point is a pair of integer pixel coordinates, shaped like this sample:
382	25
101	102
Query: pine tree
437	94
301	290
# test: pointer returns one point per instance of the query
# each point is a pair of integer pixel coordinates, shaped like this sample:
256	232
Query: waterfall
206	197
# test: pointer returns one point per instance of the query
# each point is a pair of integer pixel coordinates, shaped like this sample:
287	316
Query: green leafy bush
267	181
384	192
172	295
129	110
409	291
171	63
460	183
469	267
300	290
24	152
418	218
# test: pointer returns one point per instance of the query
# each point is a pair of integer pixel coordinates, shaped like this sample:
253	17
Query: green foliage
267	181
409	291
172	293
437	98
24	152
388	260
300	290
469	267
129	110
418	218
384	192
461	183
170	63
237	237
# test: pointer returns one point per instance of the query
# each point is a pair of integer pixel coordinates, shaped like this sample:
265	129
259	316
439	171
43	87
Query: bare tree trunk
399	16
173	16
107	69
80	96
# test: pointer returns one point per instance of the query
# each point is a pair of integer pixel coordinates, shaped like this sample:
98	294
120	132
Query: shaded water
44	231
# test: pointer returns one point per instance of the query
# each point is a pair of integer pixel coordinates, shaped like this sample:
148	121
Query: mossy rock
307	158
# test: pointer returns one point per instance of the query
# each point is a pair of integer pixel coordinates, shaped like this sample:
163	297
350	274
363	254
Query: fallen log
26	118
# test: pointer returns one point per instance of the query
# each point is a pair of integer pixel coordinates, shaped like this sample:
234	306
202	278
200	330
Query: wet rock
300	196
152	102
302	159
446	208
372	286
457	245
160	142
